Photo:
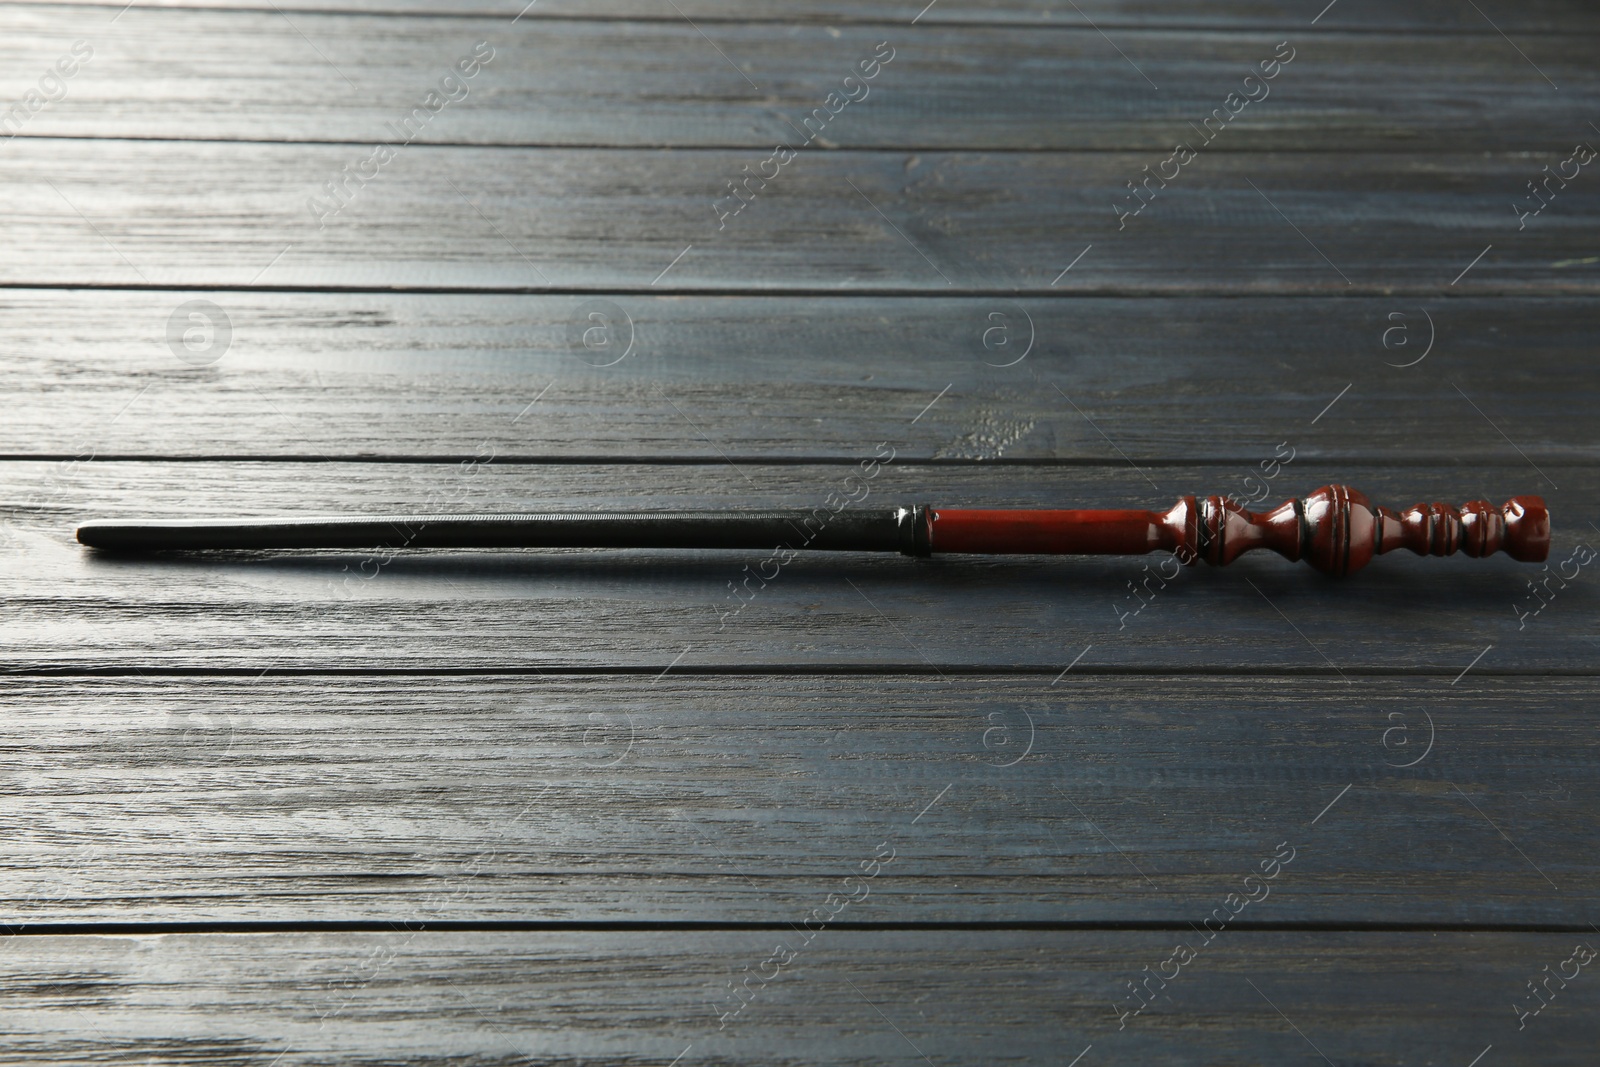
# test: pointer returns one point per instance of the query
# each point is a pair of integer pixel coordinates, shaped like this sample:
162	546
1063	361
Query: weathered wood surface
745	799
188	74
1423	17
224	215
73	608
848	998
531	746
701	378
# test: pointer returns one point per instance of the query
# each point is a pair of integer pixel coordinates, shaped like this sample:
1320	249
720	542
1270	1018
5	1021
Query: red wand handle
1336	529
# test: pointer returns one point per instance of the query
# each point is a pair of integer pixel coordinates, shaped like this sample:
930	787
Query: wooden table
644	808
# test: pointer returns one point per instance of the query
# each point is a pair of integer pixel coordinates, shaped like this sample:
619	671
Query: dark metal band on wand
1335	529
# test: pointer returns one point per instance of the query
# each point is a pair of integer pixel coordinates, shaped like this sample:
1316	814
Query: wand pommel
1338	530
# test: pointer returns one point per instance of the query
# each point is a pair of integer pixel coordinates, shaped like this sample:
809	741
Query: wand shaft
875	530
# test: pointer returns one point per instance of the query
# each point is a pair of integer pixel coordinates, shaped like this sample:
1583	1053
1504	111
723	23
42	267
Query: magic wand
1335	529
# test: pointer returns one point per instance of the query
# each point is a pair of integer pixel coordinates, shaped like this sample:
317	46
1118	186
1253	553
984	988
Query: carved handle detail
1338	530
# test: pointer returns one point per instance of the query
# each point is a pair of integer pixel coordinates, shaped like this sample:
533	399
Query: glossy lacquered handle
1335	529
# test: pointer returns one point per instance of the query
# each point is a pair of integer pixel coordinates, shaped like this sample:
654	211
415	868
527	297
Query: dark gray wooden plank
859	998
1425	16
340	375
195	74
428	799
75	608
236	215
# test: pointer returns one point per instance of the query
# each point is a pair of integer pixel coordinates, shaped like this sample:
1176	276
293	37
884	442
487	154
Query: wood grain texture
190	74
235	215
625	999
569	799
1423	17
750	378
80	609
746	799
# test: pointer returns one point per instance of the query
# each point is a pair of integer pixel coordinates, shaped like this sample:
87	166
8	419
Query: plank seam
824	670
1440	292
92	929
1492	462
745	146
832	19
